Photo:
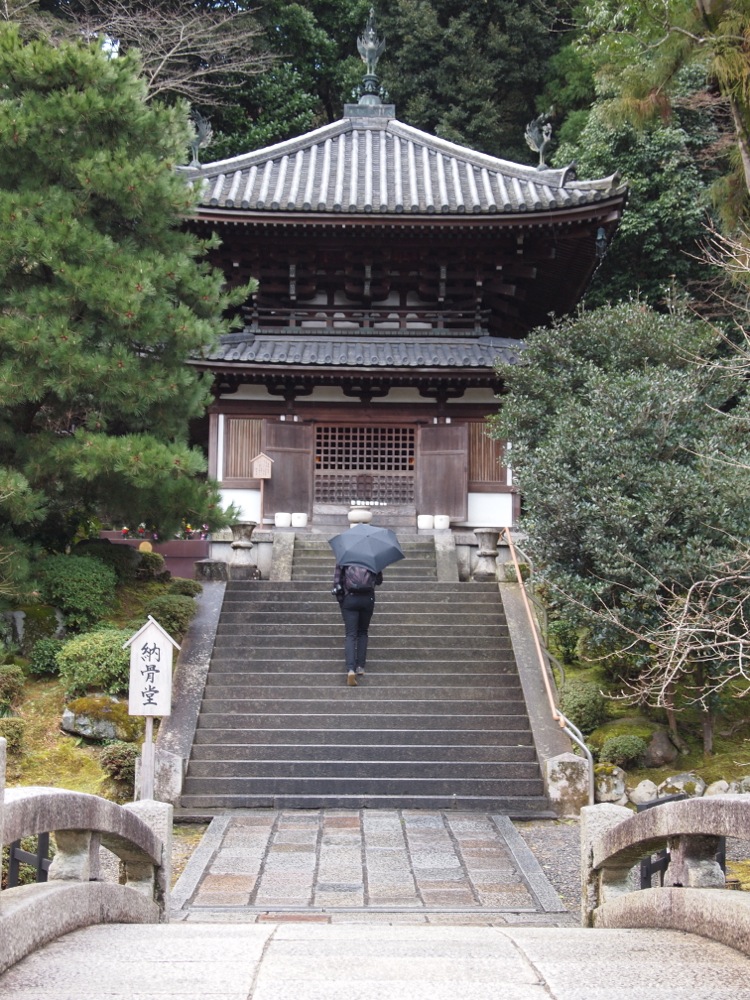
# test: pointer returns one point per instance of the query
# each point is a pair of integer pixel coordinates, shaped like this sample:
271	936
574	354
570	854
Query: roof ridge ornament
370	47
538	136
203	135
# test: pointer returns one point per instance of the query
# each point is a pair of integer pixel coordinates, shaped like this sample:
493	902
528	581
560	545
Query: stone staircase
438	722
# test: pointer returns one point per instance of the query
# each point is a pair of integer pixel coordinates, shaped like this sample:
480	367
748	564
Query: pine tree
103	297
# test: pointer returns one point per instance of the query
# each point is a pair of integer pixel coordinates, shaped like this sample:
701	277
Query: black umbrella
366	545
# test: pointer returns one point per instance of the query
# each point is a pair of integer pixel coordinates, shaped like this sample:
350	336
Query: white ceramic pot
442	522
299	520
282	520
359	515
425	521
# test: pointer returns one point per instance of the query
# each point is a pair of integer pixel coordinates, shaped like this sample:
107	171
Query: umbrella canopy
366	545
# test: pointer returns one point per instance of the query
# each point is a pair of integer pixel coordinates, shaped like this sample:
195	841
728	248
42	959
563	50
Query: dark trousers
356	610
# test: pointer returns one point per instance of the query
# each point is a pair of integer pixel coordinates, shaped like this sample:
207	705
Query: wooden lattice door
368	465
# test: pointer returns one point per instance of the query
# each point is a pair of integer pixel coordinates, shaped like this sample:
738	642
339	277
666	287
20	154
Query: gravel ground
556	846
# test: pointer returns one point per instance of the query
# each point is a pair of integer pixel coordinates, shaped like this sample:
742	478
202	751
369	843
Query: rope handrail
543	657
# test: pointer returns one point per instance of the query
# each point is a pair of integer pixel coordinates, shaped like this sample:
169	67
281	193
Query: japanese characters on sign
151	651
261	466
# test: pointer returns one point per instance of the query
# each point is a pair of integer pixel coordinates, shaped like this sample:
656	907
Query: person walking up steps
354	589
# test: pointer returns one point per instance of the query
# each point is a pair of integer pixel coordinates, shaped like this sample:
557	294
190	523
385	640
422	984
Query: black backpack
359	579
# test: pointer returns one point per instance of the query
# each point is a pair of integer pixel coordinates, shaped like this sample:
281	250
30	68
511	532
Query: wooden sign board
261	467
151	651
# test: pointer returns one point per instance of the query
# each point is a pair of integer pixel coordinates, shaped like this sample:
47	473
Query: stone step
308	734
303	662
387	650
288	587
368	721
472	753
457	633
328	785
330	686
235	774
386	599
365	702
513	806
331	615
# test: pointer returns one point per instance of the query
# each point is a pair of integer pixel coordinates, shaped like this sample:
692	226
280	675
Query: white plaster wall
248	502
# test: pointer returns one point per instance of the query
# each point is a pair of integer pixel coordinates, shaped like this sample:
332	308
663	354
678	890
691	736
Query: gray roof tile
381	165
277	348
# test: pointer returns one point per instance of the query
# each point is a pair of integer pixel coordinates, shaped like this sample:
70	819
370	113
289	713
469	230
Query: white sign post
150	692
260	468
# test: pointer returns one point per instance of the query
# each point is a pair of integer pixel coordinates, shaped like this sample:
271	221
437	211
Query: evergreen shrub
188	588
118	761
123	559
624	751
95	661
39	622
11	685
82	587
13	730
584	704
173	612
151	567
44	657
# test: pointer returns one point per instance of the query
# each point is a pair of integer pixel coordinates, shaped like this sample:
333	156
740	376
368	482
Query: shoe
351	679
360	671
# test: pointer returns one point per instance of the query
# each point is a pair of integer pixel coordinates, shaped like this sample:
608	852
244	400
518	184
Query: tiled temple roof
328	349
366	164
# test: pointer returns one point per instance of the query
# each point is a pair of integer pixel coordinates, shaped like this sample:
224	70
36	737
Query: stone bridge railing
111	864
693	898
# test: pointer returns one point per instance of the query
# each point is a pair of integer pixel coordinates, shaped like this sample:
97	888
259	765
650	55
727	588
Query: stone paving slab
308	961
341	862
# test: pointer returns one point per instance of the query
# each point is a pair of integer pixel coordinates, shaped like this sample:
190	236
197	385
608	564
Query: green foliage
82	587
122	558
44	657
151	566
173	612
624	751
103	297
118	761
12	680
470	72
95	661
584	704
39	622
13	730
188	588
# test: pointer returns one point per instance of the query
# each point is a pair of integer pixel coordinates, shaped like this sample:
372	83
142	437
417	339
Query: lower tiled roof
278	348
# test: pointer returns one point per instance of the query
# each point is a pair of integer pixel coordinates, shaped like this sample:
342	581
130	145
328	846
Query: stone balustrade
693	898
83	886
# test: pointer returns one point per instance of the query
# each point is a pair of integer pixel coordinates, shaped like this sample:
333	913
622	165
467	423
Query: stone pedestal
486	567
241	562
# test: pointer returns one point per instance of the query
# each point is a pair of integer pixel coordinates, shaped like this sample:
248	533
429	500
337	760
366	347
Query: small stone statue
203	136
538	137
371	47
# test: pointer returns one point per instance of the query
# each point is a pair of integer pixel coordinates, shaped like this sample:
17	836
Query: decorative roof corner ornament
203	136
538	137
370	48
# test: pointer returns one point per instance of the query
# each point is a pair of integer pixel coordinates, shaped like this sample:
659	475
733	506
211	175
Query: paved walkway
415	866
299	961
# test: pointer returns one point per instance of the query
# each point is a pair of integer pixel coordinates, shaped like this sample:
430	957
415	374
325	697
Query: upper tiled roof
364	165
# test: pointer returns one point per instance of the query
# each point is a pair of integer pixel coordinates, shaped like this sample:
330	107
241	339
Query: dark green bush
173	612
151	567
188	588
82	587
624	751
13	730
118	761
12	680
95	661
123	559
584	705
39	622
44	657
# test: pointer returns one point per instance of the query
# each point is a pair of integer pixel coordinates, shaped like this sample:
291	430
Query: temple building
395	269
